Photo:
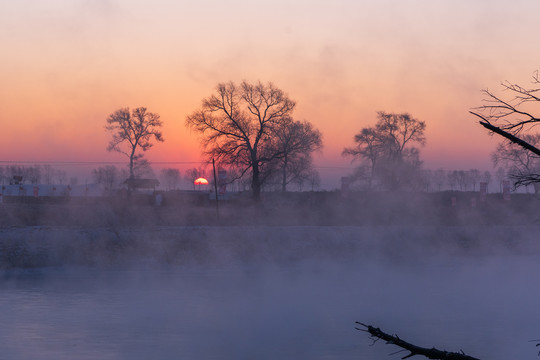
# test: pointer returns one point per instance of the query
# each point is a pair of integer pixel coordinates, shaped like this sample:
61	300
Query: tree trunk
371	175
284	179
131	174
256	182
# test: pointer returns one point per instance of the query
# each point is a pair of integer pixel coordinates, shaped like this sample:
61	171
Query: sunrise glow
200	181
66	65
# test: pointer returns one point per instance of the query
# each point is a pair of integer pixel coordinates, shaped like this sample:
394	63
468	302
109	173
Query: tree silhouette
386	147
297	140
239	126
132	131
512	117
519	162
171	178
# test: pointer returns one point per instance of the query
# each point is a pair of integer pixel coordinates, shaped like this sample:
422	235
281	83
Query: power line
335	167
14	162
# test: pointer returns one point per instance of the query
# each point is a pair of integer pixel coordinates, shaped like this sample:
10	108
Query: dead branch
524	179
485	123
378	334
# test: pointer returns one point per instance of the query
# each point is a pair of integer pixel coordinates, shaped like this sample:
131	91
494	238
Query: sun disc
201	181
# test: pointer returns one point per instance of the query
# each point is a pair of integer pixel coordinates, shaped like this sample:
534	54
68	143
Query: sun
200	181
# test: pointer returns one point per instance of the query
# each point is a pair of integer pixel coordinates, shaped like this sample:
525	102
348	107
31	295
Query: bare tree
512	118
108	176
171	178
14	174
501	177
193	174
33	174
452	179
463	180
48	174
239	125
401	130
386	147
404	172
473	177
313	179
132	131
486	178
369	146
143	169
519	162
297	140
61	176
425	180
439	178
297	172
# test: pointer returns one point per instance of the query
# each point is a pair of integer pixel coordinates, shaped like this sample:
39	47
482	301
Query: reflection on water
297	310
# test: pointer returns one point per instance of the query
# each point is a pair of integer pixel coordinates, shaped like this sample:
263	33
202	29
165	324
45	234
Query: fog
267	292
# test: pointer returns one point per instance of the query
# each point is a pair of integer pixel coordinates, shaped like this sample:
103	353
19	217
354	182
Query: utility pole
215	187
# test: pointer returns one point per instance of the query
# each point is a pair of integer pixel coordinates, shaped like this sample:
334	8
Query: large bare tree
512	117
132	131
239	124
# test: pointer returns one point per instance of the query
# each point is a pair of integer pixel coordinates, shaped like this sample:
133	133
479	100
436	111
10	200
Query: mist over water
289	293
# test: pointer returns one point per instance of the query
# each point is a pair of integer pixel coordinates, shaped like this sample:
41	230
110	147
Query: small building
141	184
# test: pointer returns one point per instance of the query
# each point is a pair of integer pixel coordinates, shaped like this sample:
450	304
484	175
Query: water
486	305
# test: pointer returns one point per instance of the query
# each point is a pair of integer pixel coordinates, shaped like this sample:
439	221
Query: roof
141	183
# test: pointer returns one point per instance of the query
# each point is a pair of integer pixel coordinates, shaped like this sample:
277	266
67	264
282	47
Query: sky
65	65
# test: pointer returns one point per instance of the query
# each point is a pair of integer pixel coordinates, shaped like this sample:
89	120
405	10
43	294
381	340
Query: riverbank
285	209
42	246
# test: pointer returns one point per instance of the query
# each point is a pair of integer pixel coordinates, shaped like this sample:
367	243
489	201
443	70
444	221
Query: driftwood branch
378	334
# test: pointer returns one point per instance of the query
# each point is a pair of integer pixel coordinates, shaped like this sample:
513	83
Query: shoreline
40	246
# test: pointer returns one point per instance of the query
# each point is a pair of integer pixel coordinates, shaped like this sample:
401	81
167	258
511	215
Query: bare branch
485	123
512	112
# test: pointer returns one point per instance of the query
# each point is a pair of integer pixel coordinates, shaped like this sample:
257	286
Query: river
485	303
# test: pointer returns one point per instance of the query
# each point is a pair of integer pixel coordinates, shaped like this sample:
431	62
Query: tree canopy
297	140
387	148
241	127
132	131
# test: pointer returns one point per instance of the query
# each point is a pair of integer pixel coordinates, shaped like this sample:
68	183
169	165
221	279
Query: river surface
486	305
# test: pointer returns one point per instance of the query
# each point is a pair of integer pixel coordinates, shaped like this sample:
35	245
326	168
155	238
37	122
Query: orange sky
67	64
